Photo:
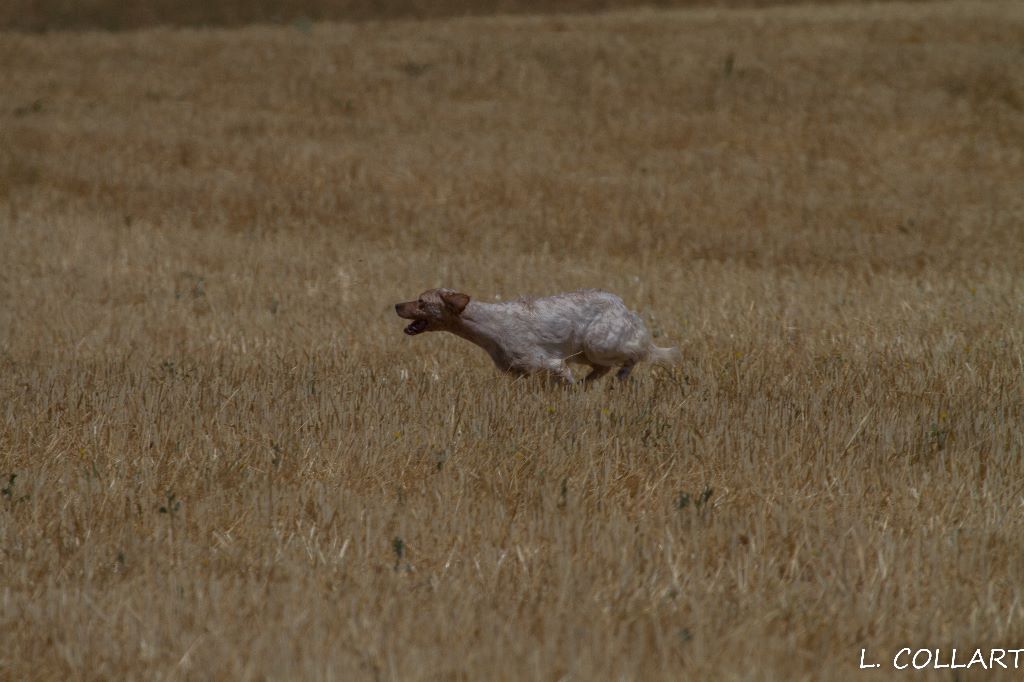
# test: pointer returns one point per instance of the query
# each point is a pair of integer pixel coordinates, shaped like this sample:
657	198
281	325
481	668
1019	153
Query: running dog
528	335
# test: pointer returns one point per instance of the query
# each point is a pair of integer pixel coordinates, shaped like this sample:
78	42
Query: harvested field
221	458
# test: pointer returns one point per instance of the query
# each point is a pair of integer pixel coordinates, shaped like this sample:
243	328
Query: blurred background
50	15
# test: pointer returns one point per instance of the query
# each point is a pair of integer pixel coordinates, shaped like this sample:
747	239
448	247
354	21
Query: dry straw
221	458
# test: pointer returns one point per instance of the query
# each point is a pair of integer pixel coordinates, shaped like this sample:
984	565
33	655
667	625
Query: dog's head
435	310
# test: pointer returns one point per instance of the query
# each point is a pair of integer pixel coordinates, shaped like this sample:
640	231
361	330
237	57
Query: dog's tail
663	356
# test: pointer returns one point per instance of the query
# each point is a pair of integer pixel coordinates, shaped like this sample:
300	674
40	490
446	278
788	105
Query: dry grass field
49	15
221	458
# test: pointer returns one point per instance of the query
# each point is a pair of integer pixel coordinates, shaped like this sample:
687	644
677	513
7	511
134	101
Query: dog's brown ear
455	301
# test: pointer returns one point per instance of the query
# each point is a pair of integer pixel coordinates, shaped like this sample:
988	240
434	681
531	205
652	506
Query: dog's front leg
562	373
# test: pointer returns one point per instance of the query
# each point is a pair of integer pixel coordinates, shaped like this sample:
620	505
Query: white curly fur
590	327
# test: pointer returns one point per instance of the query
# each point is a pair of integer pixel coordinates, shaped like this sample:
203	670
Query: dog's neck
480	323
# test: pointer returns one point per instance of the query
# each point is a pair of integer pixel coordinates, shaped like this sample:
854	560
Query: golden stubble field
221	458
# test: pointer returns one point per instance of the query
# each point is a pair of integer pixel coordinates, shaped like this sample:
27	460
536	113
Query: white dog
591	327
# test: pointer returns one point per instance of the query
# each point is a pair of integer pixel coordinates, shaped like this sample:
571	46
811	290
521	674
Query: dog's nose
398	307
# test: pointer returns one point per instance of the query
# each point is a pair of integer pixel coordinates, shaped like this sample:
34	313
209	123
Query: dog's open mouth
416	327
